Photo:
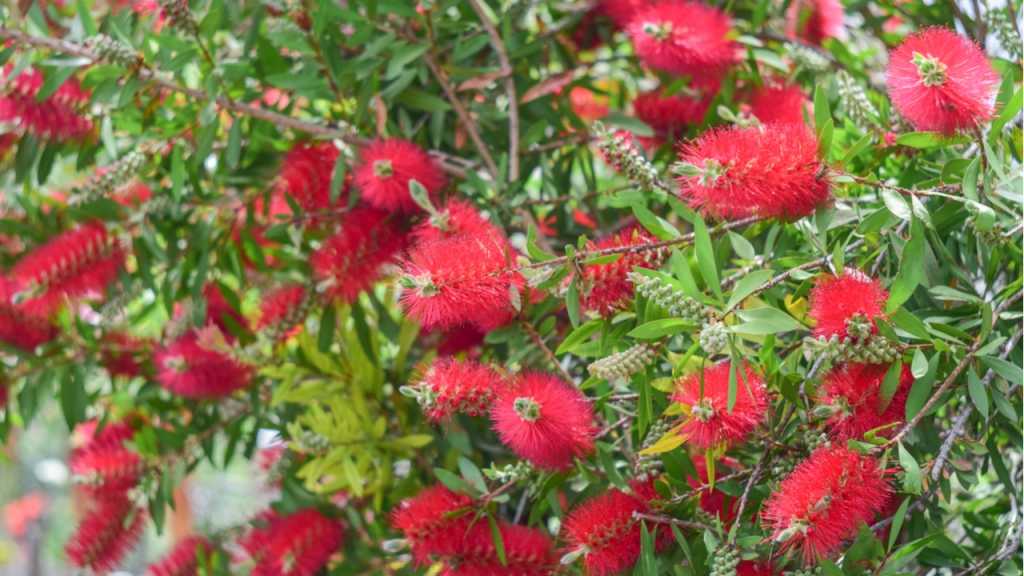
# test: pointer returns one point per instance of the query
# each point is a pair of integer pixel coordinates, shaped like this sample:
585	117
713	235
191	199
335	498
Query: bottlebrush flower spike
186	368
604	531
622	12
306	174
221	313
110	529
814	20
710	423
768	171
89	437
386	169
299	544
120	354
941	81
184	559
56	118
465	279
456	218
606	287
434	522
351	259
683	38
450	386
544	420
77	263
824	501
18	327
779	103
283	309
528	552
670	116
107	472
748	568
853	392
851	300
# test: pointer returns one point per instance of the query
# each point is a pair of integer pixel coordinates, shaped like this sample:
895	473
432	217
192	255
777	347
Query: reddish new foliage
856	389
465	279
111	527
108	471
837	299
77	263
433	522
352	258
769	171
386	169
18	327
299	544
456	218
456	386
55	118
941	81
605	526
606	287
814	20
683	38
670	116
528	552
711	424
281	307
824	501
184	558
306	174
779	103
186	368
545	420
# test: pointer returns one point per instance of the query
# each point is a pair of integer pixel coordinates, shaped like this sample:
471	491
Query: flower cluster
57	117
296	544
713	420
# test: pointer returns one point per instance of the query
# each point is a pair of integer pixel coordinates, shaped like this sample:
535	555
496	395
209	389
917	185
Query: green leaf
454	483
767	320
1011	372
656	225
73	399
911	268
54	78
234	150
497	539
1009	112
656	329
924	140
421	100
325	337
890	384
919	365
896	204
822	114
579	335
472	475
921	389
85	16
604	455
976	390
747	285
572	303
706	256
911	471
897	522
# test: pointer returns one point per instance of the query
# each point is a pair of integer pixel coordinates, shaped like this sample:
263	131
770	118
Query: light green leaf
759	321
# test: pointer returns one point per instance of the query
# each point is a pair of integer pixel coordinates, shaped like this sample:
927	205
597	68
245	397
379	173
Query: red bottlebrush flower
607	288
838	300
545	420
452	386
110	529
120	353
89	437
386	169
299	544
107	472
18	327
353	257
588	105
769	171
855	391
221	313
283	307
462	338
184	559
748	568
306	174
683	38
941	81
56	118
465	279
714	502
528	552
604	530
3	394
670	116
814	20
78	263
186	368
775	104
824	500
133	195
434	522
622	12
710	423
456	218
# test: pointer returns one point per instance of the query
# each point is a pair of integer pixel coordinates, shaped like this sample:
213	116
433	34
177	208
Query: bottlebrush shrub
544	288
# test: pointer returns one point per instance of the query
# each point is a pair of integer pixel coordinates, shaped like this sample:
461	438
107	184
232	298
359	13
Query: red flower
683	38
545	420
120	354
186	368
222	313
824	501
56	118
3	394
299	544
748	568
77	263
457	218
711	423
461	338
836	300
586	104
855	390
306	174
283	307
110	529
133	195
769	171
18	327
670	116
455	386
107	471
465	279
433	522
622	12
184	558
22	513
775	104
814	20
88	437
607	289
353	257
714	502
605	530
941	81
528	552
386	169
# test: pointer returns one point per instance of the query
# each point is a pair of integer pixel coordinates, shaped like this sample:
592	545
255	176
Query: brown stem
510	90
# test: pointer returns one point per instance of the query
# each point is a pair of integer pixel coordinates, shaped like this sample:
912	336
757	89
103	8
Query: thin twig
536	337
659	519
510	90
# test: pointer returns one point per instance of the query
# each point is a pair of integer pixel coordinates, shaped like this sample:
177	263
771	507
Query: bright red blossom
605	527
183	559
353	257
774	104
814	20
386	169
107	471
545	420
670	116
769	171
622	12
433	522
306	174
457	386
282	307
683	38
456	218
221	313
748	568
299	544
18	327
111	528
941	81
711	423
120	354
835	300
56	118
186	368
528	552
607	288
856	391
824	501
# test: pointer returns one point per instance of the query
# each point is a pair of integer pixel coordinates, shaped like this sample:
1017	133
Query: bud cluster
724	562
714	337
873	349
179	16
807	57
670	298
855	100
114	51
622	153
622	365
645	463
509	473
103	183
